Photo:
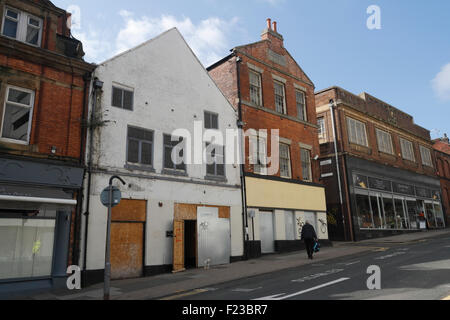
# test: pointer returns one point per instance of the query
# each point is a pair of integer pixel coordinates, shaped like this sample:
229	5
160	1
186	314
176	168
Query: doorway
190	244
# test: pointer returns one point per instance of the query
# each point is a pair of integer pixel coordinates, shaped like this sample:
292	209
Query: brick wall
257	55
398	124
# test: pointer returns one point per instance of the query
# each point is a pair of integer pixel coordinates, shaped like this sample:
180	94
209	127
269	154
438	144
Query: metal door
267	232
214	237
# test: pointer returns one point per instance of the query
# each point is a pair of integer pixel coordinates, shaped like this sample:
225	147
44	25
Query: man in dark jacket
310	237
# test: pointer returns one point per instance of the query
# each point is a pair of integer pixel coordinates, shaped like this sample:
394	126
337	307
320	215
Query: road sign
116	197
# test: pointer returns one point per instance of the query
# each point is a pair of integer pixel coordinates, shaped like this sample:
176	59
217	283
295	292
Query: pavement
179	285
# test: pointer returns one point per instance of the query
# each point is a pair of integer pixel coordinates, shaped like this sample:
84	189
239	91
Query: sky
404	62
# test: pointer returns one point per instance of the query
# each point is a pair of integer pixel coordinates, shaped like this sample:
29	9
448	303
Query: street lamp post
107	278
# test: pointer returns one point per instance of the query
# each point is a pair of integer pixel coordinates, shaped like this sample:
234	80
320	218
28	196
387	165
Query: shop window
22	26
389	212
401	217
377	213
172	148
26	239
140	146
440	221
429	214
17	115
413	214
364	215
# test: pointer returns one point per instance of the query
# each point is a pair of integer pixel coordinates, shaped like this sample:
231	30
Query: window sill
216	178
173	172
139	167
387	155
360	148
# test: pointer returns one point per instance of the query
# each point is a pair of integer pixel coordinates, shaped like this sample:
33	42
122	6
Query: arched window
440	167
447	169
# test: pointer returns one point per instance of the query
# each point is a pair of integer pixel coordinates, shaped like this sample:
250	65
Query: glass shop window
389	212
376	207
364	215
413	217
440	222
401	217
429	213
26	243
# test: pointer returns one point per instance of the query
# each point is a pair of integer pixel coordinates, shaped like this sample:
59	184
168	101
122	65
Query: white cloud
208	39
95	45
441	83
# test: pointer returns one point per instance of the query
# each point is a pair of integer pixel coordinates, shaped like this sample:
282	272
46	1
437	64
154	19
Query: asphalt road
414	271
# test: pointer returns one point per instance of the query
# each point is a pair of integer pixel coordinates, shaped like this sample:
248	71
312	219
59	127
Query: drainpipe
242	166
97	85
333	122
77	231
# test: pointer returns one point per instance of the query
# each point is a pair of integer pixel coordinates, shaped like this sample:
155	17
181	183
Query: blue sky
406	63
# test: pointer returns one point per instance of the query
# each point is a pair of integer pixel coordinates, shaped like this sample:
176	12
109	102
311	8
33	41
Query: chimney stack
271	33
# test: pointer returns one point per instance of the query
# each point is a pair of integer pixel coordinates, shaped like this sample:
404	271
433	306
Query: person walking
309	236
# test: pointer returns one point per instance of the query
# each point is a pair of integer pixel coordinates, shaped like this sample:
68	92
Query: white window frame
289	161
31	107
22	26
284	96
322	128
428	157
381	141
309	164
261	155
258	75
305	113
404	142
362	141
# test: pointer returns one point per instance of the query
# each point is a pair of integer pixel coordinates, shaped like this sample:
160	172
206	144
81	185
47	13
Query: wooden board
127	250
178	246
130	210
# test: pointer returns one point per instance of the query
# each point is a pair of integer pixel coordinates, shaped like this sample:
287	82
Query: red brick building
386	180
44	85
269	90
442	155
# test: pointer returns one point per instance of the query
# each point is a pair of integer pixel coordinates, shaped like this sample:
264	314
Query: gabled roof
162	35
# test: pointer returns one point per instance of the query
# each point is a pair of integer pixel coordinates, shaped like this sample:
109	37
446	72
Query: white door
267	232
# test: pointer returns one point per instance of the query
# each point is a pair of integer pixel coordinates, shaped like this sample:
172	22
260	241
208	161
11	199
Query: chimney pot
269	24
275	26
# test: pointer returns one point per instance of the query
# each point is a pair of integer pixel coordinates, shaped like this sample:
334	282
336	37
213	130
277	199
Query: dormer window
22	26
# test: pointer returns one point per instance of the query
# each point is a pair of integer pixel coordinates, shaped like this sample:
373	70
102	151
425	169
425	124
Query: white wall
171	91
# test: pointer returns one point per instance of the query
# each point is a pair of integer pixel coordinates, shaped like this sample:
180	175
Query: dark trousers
309	243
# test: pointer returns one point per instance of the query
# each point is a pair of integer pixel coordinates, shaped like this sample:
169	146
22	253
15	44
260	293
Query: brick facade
374	114
257	56
442	154
59	78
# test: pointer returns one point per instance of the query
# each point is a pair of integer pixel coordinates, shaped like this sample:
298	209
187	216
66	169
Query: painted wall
171	91
277	194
